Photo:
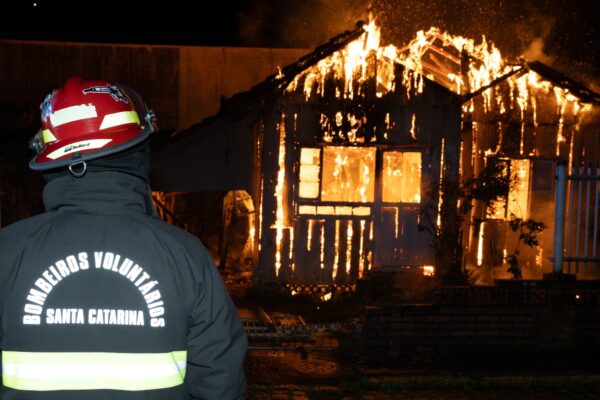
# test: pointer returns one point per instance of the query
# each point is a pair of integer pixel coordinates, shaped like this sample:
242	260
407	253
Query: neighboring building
183	84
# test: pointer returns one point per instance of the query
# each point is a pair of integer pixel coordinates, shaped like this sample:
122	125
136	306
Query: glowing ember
428	270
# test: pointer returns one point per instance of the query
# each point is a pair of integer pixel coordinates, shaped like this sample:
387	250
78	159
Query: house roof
438	60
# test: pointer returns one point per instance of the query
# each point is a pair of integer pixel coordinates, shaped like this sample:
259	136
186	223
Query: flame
361	260
309	236
480	246
337	246
351	64
322	258
349	233
413	122
428	270
280	220
461	64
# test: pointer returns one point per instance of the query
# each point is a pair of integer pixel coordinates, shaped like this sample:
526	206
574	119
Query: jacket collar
107	192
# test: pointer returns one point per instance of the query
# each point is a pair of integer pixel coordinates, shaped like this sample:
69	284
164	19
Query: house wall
326	249
543	134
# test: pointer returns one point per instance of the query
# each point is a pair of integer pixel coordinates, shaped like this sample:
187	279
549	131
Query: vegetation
457	199
528	231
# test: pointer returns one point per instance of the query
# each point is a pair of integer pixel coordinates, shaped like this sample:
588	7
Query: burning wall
355	151
346	184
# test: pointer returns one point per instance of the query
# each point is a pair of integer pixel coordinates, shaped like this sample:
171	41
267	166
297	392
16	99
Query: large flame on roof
458	63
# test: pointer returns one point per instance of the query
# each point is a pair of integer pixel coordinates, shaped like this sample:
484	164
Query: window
348	174
401	177
518	197
310	164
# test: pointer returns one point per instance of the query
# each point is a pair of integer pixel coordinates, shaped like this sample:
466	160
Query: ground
334	363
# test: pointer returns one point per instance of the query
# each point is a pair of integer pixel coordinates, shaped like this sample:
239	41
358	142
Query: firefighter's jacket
100	299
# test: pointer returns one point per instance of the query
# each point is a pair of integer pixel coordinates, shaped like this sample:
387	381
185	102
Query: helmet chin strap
78	168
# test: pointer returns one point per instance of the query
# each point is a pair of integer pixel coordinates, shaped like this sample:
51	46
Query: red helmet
85	120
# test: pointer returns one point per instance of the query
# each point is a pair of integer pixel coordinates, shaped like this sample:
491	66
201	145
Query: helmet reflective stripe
78	146
119	118
48	136
72	114
88	371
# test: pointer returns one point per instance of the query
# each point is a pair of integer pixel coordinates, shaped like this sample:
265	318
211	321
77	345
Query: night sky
562	33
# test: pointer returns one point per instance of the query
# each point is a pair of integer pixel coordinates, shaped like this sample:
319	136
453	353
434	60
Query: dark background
562	33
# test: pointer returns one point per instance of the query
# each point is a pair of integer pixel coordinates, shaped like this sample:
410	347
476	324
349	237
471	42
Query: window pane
518	198
348	174
401	177
310	165
309	173
309	190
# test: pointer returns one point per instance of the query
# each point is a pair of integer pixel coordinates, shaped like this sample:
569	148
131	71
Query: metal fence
576	220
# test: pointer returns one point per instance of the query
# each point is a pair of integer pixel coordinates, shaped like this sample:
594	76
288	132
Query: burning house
340	152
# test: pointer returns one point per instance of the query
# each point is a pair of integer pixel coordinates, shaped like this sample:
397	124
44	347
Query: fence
576	246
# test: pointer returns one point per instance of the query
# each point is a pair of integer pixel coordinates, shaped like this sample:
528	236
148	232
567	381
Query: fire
280	220
441	57
361	261
349	234
350	64
480	246
428	270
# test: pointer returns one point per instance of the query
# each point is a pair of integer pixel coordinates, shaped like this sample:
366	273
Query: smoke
535	52
295	23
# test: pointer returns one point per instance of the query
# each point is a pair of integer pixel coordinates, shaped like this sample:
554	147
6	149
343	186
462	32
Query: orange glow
518	198
480	245
350	64
280	221
337	246
401	177
310	165
436	55
413	127
333	210
309	236
428	270
322	258
361	260
348	174
349	233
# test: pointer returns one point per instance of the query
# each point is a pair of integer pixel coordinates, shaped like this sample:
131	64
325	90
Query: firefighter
100	299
